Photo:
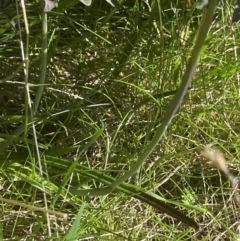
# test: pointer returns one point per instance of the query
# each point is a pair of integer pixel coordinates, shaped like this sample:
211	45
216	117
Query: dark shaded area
236	13
5	3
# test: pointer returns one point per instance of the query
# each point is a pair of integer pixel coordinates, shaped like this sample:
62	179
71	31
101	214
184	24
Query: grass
110	78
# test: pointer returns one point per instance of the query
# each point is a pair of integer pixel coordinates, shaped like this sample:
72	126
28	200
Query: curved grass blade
13	166
125	188
166	208
177	100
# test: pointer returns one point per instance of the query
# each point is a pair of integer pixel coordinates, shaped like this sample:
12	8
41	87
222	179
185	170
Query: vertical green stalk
43	63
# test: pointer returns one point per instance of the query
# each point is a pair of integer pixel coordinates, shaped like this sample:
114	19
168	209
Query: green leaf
72	234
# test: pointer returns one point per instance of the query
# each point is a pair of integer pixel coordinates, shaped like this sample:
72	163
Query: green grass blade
125	188
72	234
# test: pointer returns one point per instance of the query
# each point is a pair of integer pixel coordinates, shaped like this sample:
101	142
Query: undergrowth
111	75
